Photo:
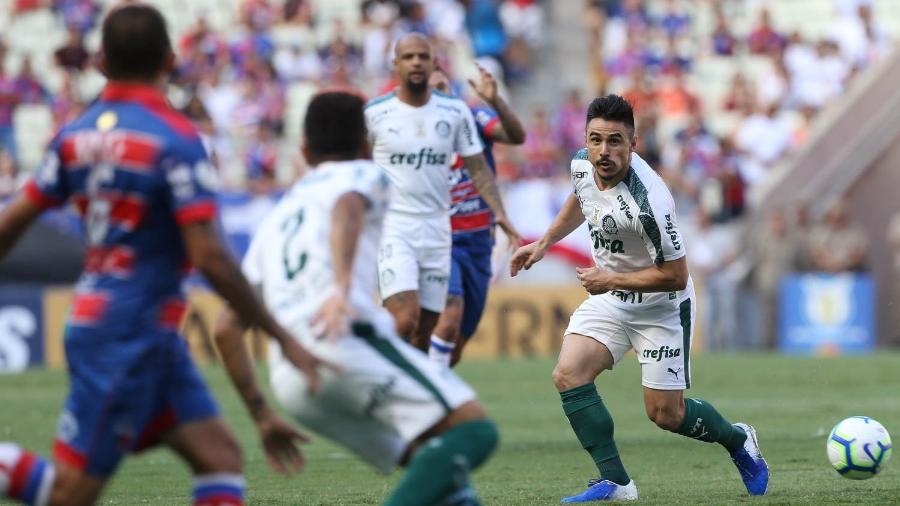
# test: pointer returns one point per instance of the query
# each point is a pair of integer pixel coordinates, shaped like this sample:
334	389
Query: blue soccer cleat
751	464
605	490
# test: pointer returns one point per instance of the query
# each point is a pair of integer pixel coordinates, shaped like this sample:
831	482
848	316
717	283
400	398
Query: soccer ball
859	447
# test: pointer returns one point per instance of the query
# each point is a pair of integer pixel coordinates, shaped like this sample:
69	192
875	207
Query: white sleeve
660	227
370	181
467	141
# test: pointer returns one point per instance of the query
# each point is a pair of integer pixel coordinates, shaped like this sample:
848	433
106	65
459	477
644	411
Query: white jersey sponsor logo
632	225
415	147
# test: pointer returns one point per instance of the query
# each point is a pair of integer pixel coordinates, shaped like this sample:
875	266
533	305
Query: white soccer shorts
385	396
415	256
660	334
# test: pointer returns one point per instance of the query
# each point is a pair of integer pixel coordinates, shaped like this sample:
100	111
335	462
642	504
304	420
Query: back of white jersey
415	147
290	255
632	225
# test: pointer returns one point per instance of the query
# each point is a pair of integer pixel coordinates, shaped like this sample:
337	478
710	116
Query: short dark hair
335	125
611	108
135	42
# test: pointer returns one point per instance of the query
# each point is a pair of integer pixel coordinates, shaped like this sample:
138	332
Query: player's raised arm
509	128
567	220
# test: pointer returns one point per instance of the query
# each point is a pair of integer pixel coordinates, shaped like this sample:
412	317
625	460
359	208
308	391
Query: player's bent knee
566	377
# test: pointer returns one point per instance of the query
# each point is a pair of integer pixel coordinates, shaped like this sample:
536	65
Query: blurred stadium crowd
723	92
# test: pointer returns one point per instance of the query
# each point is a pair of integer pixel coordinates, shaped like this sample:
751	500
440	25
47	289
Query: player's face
609	145
414	64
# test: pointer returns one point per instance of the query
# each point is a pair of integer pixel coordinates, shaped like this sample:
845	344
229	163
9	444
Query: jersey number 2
291	266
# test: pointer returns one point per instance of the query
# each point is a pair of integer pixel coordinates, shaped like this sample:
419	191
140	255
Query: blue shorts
470	276
121	403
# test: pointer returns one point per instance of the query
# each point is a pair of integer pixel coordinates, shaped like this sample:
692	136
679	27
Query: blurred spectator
258	13
739	97
340	62
640	94
523	20
298	12
261	159
65	104
690	160
203	40
799	231
485	29
23	6
713	250
675	100
836	244
570	122
772	85
648	142
722	40
818	76
674	21
763	38
541	151
255	42
72	56
294	64
79	14
673	60
412	19
28	86
763	138
773	257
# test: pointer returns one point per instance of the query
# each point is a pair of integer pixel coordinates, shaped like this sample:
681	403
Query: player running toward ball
641	298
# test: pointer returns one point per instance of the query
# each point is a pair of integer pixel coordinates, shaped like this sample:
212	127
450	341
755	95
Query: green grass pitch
793	402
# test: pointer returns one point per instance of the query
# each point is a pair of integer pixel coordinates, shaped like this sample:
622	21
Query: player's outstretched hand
486	86
594	280
333	316
308	363
280	441
525	257
512	235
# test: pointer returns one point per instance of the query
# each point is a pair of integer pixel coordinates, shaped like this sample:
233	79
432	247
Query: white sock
440	351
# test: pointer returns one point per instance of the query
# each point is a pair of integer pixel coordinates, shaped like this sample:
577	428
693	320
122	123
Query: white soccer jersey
632	225
415	146
290	255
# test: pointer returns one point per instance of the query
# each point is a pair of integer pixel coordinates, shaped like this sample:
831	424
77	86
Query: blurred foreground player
641	298
471	221
313	261
139	175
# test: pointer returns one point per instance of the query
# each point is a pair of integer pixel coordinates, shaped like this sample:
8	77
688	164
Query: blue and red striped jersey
468	211
136	171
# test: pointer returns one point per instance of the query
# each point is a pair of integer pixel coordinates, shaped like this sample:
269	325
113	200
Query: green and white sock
593	425
703	423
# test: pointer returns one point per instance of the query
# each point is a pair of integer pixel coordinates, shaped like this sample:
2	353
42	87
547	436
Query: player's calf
665	408
215	459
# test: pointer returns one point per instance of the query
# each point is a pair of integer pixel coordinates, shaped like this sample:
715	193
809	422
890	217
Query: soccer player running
414	133
471	223
312	260
138	173
641	298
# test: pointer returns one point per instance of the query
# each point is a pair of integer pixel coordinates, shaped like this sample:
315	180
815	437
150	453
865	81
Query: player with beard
414	132
641	298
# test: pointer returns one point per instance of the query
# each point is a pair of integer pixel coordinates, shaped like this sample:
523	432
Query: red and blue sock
222	489
24	476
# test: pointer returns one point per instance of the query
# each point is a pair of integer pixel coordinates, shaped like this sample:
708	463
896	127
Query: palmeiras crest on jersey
442	128
609	225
